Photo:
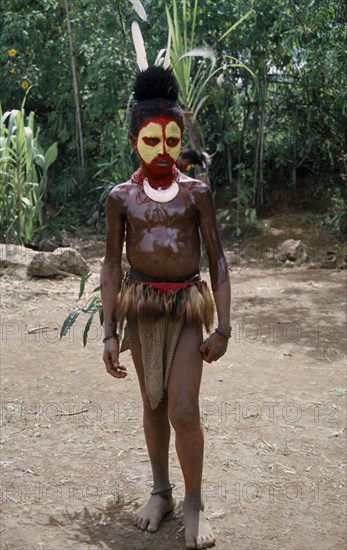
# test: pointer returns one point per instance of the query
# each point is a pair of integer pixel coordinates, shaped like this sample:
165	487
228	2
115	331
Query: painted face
159	144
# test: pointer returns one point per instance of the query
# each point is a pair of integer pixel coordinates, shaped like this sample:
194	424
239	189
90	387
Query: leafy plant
116	170
251	218
183	30
91	307
287	131
194	78
224	215
23	176
338	217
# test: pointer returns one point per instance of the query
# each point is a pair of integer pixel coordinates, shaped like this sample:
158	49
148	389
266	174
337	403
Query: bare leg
184	414
157	432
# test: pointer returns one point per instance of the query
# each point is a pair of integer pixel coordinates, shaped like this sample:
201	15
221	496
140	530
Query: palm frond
198	107
86	329
230	29
83	281
241	65
69	321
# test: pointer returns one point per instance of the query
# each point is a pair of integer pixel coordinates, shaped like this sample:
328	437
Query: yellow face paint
159	141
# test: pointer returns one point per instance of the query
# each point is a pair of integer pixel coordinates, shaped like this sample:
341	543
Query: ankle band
172	486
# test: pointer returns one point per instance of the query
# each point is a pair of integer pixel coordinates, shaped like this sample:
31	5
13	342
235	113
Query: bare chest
145	214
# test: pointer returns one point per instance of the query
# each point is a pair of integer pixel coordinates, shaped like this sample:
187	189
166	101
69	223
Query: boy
161	214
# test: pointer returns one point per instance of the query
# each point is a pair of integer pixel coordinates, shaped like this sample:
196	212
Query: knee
184	416
146	402
160	410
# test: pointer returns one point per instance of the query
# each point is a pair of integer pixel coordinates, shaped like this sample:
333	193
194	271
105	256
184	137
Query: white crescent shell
161	195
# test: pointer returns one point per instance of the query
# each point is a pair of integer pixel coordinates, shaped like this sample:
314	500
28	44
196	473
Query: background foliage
279	137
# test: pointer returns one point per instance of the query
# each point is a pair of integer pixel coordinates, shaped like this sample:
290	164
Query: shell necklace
164	190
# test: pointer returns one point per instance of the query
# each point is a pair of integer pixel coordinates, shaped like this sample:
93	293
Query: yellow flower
13	70
12	52
24	85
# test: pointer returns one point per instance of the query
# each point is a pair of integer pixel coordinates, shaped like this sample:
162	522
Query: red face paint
159	145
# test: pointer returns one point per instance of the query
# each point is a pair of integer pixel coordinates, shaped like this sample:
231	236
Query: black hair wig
155	92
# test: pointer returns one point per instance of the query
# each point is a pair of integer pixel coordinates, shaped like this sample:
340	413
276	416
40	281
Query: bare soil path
74	462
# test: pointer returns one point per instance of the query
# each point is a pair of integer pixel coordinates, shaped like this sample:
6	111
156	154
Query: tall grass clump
23	176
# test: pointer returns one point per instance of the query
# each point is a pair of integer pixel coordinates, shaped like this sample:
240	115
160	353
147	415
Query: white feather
140	10
168	50
199	52
159	59
139	46
220	80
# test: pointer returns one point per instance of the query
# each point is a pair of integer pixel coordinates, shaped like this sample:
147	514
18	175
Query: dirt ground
74	462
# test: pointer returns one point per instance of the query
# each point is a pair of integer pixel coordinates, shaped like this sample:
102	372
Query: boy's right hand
111	359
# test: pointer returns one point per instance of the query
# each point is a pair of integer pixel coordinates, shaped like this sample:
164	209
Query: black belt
138	276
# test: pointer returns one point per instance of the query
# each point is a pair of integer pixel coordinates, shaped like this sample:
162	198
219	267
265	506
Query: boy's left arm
216	344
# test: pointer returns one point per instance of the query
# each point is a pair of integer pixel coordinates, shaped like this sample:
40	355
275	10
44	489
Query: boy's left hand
213	347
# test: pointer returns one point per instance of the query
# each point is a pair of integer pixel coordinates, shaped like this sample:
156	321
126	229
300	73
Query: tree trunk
295	153
195	141
80	144
259	182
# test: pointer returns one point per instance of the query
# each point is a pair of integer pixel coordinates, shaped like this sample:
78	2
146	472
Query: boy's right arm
110	282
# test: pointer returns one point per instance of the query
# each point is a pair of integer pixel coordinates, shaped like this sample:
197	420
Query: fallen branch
41	329
73	413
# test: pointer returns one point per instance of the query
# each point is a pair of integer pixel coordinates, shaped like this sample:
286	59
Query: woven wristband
115	335
227	336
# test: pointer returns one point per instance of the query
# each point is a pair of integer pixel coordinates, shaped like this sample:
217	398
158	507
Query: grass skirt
160	318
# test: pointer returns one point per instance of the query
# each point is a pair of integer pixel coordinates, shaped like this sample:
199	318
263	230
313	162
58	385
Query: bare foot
149	516
198	532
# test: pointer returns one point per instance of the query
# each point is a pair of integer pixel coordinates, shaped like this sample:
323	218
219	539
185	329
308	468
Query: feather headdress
139	46
156	89
140	10
155	82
